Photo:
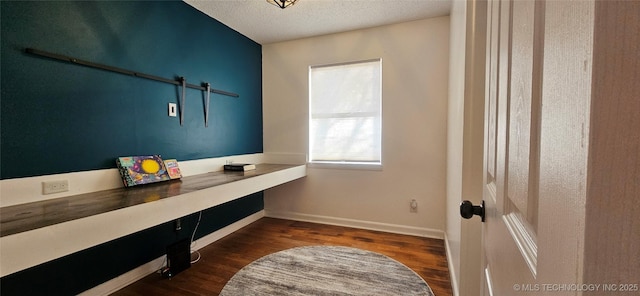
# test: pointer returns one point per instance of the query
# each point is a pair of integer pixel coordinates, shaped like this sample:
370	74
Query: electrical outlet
178	224
51	187
413	206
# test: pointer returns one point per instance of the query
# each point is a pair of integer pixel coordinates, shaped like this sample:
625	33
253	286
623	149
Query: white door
510	236
537	110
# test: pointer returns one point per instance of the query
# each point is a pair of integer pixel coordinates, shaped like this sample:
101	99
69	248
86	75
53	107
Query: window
345	113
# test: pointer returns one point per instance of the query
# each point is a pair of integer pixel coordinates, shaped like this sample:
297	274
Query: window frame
358	165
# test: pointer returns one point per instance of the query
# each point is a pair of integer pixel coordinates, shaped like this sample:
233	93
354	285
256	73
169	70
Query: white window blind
345	112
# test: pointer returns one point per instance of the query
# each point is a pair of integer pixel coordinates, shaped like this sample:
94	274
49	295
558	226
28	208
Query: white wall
415	62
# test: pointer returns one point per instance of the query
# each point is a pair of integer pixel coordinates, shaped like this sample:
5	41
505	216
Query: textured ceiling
266	23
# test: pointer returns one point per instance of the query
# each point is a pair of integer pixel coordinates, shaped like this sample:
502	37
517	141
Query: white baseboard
369	225
144	270
452	270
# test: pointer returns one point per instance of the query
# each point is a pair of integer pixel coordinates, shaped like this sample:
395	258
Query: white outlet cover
50	187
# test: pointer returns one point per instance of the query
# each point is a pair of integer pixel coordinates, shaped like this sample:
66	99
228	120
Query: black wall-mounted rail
124	71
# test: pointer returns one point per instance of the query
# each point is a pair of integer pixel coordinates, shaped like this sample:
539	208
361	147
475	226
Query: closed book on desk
172	168
239	167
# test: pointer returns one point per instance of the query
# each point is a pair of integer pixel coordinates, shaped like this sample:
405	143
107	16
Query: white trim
150	267
488	282
369	225
524	240
346	63
345	165
452	270
29	189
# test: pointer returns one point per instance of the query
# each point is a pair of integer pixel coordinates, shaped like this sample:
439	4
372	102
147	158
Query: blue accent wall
59	117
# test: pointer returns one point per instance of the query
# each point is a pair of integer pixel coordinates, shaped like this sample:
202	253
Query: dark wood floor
223	258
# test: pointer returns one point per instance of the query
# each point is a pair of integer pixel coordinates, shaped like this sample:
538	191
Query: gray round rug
326	270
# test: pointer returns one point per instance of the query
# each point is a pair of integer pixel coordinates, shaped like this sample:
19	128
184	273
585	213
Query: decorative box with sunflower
138	170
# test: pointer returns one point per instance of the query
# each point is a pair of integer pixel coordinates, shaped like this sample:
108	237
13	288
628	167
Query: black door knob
467	210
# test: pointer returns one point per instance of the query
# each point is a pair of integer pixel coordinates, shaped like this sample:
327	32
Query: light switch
172	110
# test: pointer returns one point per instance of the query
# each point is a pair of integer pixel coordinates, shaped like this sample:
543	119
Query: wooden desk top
34	233
25	217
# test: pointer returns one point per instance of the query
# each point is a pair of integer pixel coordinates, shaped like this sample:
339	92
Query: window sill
346	165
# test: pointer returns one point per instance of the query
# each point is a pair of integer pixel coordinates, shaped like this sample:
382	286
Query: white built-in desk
38	232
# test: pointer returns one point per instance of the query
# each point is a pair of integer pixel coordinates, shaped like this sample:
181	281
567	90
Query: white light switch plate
173	110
